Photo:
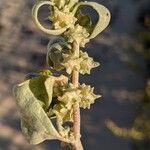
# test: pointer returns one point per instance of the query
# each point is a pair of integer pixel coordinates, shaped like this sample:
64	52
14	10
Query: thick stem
76	108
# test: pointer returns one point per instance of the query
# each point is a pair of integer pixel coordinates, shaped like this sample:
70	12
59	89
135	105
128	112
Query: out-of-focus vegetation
140	131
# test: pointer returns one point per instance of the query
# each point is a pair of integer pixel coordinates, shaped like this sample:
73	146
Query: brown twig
76	109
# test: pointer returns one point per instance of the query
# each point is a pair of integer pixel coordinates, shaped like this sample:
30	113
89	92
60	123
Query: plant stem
76	108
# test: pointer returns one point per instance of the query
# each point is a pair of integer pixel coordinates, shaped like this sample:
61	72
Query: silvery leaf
32	97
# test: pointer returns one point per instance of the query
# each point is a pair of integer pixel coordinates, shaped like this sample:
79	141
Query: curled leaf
60	56
56	48
104	16
35	11
35	123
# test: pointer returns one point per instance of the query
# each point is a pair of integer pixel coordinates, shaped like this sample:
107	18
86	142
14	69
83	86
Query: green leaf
57	47
42	88
35	123
104	16
54	56
35	11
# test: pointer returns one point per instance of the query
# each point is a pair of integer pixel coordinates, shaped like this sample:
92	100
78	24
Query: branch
76	108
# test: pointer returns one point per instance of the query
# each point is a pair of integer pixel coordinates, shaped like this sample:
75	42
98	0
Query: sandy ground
23	49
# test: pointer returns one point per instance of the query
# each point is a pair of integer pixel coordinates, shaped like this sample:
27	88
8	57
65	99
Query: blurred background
120	120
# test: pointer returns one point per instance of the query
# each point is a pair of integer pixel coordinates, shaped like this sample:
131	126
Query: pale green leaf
57	47
104	16
35	11
35	123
